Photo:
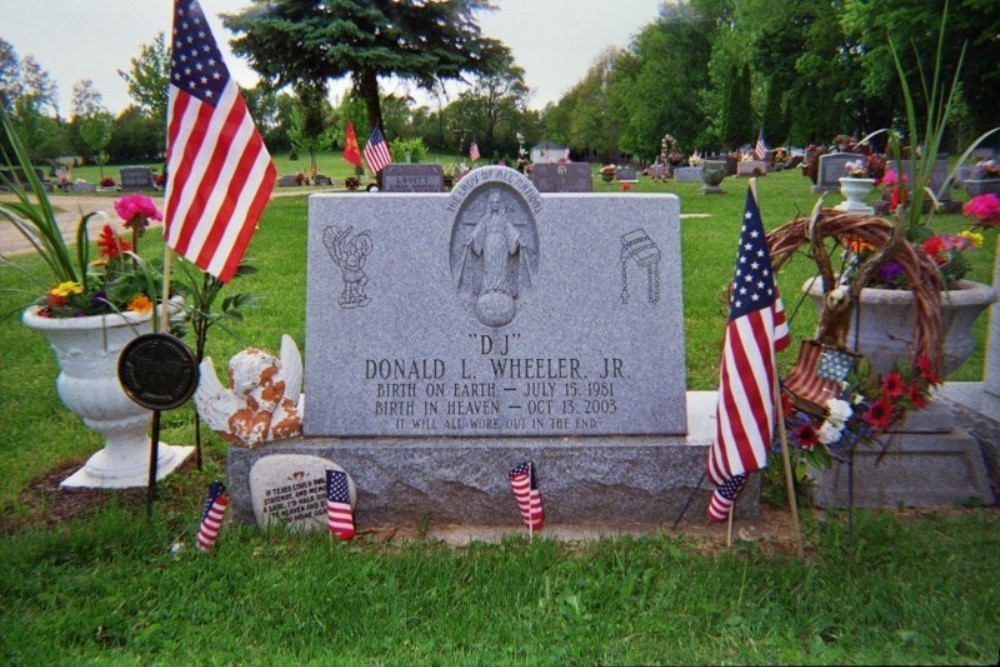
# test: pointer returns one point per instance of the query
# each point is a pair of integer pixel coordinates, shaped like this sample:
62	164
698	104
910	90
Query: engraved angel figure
350	254
498	244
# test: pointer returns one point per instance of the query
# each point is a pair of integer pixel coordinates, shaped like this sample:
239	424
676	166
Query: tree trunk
368	88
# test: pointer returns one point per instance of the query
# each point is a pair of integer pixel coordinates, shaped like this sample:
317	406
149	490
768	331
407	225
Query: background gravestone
831	169
626	174
562	177
413	178
688	174
137	178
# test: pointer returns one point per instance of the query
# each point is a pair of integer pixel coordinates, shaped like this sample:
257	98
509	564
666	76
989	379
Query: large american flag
339	515
377	151
473	151
529	500
216	504
221	175
756	330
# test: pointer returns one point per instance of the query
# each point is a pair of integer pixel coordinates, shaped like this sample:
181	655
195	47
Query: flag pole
729	525
531	517
168	255
786	461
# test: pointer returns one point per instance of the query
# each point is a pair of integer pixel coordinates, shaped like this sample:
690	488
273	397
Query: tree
737	120
10	75
149	78
92	121
310	122
33	105
296	42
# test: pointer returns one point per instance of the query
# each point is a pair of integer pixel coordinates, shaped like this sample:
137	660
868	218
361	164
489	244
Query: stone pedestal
582	480
929	462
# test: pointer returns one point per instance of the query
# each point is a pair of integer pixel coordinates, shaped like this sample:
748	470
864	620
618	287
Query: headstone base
823	189
711	190
919	470
582	480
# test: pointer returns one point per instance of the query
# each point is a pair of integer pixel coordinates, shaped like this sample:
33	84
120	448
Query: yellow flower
973	238
67	288
140	304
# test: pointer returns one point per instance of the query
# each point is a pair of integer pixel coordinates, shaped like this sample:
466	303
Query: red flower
927	370
806	435
915	393
879	415
112	246
892	385
937	248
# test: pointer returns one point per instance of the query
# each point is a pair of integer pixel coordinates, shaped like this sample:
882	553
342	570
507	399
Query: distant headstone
413	178
562	177
688	174
659	171
288	180
498	295
322	180
626	174
939	173
137	178
290	490
831	169
83	186
751	168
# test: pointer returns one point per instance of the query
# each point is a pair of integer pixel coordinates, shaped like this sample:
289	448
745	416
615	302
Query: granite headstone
413	178
831	169
562	177
137	178
626	174
688	174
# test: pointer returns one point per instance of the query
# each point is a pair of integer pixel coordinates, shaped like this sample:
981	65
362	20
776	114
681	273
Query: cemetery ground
88	578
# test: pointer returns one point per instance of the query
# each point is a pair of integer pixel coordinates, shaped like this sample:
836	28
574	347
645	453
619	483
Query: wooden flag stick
729	526
786	461
168	255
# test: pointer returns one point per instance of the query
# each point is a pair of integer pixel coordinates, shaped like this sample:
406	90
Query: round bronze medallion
158	371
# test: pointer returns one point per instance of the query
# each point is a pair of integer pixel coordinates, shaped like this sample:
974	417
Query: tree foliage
296	42
148	79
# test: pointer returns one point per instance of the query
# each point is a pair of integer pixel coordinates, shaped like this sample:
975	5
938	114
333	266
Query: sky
555	41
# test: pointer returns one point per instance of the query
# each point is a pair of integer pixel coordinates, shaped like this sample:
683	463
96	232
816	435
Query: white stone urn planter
884	322
87	349
855	190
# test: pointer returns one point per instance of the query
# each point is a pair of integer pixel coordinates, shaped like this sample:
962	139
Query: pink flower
131	206
985	207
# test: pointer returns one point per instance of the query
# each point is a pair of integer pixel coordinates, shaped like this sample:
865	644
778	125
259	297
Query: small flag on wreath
216	504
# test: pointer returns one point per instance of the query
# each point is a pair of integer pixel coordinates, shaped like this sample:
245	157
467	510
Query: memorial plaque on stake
562	177
413	178
158	372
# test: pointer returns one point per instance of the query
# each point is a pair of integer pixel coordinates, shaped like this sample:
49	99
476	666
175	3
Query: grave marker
413	178
562	177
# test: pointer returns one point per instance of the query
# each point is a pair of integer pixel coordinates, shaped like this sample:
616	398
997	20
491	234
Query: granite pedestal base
930	463
582	480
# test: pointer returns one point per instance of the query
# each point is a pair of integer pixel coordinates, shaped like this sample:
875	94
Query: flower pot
884	322
87	349
981	186
855	190
607	177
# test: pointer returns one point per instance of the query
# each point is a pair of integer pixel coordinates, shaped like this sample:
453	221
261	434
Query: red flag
221	175
351	151
756	330
216	503
525	486
339	515
377	151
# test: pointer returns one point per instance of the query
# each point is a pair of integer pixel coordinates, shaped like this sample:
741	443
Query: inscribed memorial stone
413	178
562	177
494	311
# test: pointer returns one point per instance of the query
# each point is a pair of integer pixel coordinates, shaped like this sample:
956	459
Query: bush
415	147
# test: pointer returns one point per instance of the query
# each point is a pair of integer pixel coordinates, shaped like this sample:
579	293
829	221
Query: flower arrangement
986	169
856	169
867	407
609	170
695	160
667	145
844	142
118	280
675	158
352	183
780	155
107	182
985	208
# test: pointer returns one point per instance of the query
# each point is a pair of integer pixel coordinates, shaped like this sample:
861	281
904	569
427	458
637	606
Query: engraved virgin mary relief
494	251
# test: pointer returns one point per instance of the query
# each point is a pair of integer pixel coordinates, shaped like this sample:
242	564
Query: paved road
70	208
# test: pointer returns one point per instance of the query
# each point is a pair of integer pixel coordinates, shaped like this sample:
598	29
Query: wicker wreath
921	271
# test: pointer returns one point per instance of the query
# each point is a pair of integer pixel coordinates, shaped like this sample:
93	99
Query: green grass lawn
105	589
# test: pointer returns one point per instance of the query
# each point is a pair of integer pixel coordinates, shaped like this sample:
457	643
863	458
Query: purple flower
889	272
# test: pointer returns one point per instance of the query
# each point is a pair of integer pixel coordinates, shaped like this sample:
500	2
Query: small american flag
474	151
529	501
377	151
755	331
220	172
760	148
724	497
216	503
339	516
